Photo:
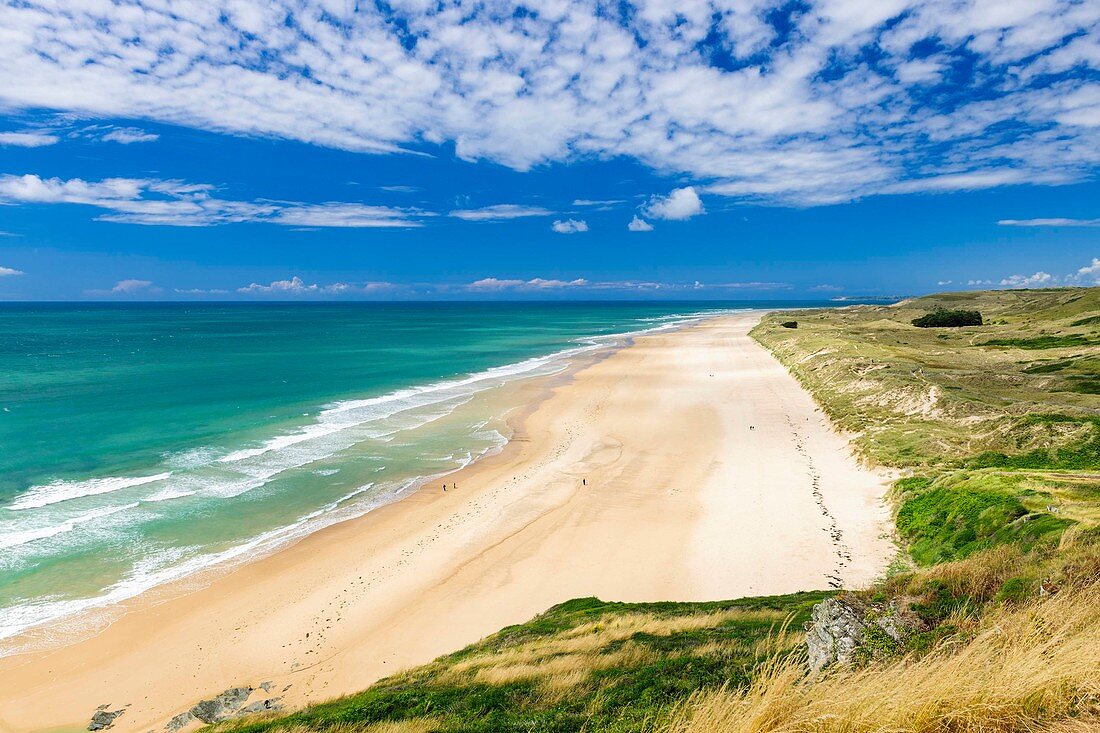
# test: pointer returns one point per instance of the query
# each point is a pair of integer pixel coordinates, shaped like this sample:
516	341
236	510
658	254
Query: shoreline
520	394
635	478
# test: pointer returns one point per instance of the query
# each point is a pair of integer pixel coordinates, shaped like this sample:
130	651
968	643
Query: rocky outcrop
843	630
229	704
103	718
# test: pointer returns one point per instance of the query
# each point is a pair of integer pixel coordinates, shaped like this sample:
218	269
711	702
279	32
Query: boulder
221	706
843	630
104	718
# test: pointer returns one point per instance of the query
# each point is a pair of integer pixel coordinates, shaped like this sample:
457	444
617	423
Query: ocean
141	443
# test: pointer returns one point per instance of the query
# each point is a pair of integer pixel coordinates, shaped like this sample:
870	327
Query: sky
406	149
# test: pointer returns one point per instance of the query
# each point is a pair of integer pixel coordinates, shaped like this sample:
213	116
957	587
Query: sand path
638	479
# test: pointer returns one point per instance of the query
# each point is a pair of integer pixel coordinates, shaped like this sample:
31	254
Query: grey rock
839	627
221	706
260	706
103	718
179	721
834	633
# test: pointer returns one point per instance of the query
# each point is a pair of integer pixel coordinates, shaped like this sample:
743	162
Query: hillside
989	622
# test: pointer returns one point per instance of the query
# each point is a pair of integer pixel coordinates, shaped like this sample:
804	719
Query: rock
265	686
843	628
221	706
834	633
103	718
260	706
179	721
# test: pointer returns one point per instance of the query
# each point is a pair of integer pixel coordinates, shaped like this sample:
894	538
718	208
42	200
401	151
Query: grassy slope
607	666
1002	439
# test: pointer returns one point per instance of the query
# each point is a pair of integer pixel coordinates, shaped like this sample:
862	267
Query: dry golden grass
1026	669
562	661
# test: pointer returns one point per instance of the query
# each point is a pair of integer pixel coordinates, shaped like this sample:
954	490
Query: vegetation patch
943	318
1044	342
951	522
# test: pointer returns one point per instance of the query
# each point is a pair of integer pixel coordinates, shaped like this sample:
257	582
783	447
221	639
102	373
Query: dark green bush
789	324
943	318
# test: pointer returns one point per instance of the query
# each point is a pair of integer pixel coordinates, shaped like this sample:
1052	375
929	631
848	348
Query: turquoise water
141	443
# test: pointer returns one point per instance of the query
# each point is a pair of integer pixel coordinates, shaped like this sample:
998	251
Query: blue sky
734	149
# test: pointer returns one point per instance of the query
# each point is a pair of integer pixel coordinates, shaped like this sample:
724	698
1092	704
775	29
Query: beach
688	465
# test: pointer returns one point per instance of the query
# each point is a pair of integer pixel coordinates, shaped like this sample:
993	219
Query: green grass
1044	342
964	512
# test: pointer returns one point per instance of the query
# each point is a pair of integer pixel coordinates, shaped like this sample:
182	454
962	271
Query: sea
143	443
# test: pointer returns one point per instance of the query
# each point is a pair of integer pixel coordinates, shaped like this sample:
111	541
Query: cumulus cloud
10	272
27	139
569	226
639	225
178	203
295	286
682	203
795	111
538	283
1090	273
1038	279
1057	222
500	212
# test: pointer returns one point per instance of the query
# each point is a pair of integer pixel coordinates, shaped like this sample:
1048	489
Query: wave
158	568
59	491
23	537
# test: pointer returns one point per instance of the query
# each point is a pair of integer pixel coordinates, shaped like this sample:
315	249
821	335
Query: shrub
789	324
942	318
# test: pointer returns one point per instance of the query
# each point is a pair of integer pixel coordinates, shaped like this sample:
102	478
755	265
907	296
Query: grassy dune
583	665
998	430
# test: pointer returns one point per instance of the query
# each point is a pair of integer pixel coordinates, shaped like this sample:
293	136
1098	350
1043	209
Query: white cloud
129	135
602	203
639	225
500	212
130	286
1057	222
538	283
1038	279
177	203
295	286
27	139
569	226
10	272
1089	274
201	291
682	203
334	214
798	116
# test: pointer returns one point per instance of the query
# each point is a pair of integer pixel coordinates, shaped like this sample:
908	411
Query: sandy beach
687	466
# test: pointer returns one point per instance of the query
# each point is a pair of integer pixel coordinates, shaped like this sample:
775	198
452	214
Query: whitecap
59	491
